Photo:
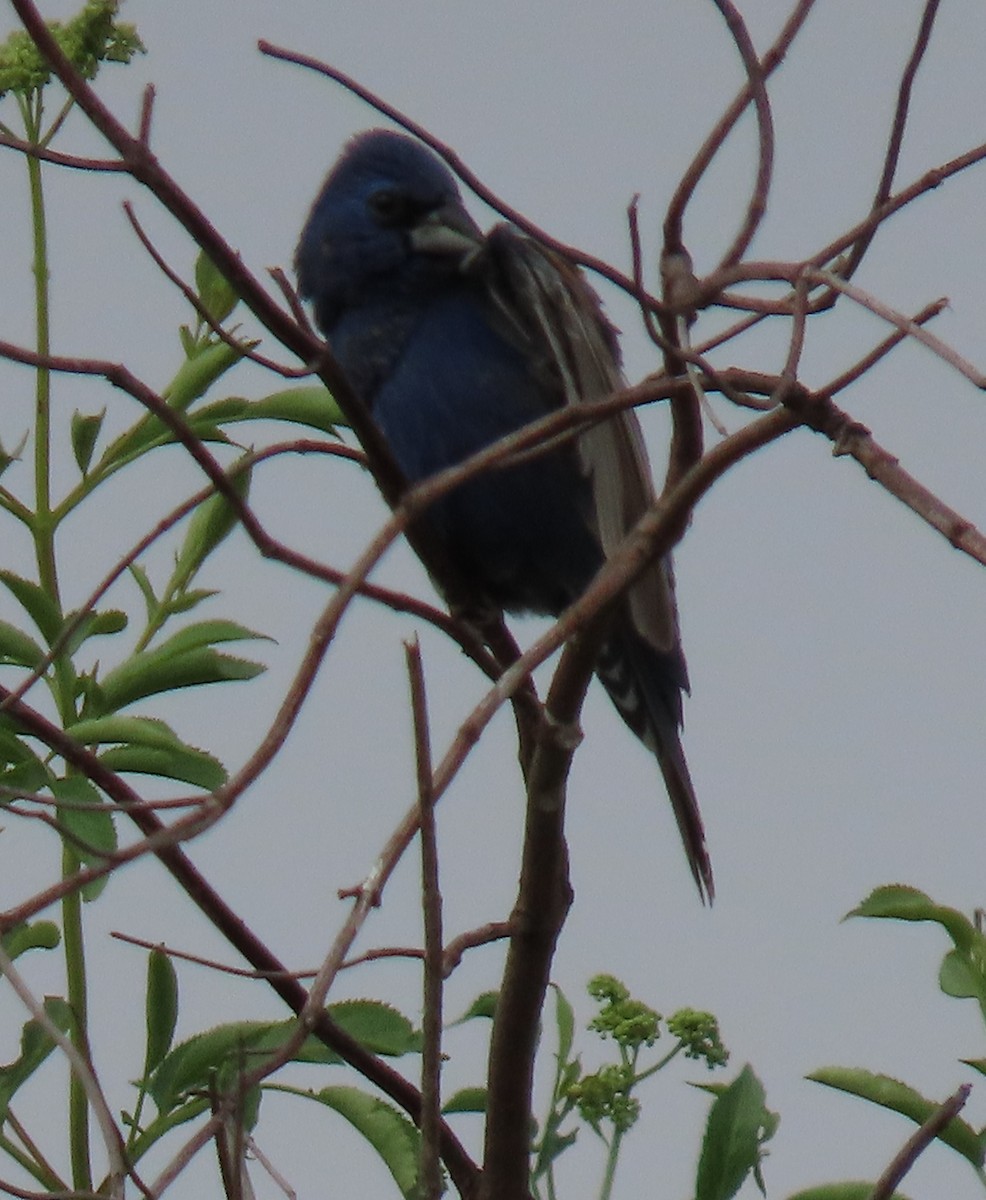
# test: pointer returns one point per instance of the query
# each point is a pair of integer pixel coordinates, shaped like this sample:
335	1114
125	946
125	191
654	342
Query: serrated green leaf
901	1098
217	295
160	1007
900	903
19	649
181	763
150	672
36	1045
312	406
140	731
851	1189
242	1045
963	972
36	603
388	1131
193	1064
208	633
85	431
483	1006
95	624
378	1026
36	935
466	1100
734	1134
210	525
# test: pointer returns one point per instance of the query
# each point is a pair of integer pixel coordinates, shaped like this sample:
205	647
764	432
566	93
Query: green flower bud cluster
91	37
699	1031
630	1023
605	1096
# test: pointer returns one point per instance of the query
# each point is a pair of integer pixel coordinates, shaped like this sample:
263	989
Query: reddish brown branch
897	131
240	936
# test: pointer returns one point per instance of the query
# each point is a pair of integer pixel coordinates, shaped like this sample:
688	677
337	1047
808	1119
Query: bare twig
113	1141
896	133
429	1174
917	1143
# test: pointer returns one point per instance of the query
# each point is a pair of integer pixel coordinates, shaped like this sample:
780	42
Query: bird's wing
546	306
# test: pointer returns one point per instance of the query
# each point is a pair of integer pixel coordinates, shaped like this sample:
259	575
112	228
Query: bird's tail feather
646	690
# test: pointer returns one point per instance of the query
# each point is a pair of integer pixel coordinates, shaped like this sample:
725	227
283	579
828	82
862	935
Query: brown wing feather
547	301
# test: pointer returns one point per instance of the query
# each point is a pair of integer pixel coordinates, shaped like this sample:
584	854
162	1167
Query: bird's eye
389	207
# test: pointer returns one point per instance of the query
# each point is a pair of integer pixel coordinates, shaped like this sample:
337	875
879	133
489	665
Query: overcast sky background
835	645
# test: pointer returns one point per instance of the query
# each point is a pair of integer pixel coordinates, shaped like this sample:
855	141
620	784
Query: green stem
75	968
45	523
611	1158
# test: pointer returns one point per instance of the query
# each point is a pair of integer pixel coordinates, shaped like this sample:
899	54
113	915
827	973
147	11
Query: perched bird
455	339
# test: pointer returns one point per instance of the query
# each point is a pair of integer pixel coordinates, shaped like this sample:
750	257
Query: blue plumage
455	339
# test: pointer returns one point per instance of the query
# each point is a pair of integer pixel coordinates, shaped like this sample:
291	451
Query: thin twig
429	1171
113	1141
896	133
917	1143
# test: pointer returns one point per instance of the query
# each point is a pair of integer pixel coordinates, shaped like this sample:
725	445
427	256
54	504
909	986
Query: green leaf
388	1131
189	599
36	1045
902	903
891	1093
739	1123
141	731
21	766
242	1045
225	1050
9	457
849	1190
312	406
958	978
151	602
94	624
466	1100
977	1064
209	633
483	1006
19	649
182	763
213	521
39	935
85	431
217	295
168	667
963	972
161	1008
36	603
378	1026
565	1024
88	824
197	374
150	747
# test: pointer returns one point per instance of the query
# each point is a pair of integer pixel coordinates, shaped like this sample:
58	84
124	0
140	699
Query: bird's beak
448	231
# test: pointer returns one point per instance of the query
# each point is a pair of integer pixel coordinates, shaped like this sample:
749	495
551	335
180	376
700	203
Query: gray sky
836	732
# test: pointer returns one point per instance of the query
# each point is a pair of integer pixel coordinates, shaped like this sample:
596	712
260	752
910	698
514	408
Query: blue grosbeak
455	339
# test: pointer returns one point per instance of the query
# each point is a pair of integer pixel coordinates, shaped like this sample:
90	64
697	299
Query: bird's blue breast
444	383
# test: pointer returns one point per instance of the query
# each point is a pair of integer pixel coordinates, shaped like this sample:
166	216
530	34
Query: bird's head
389	215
